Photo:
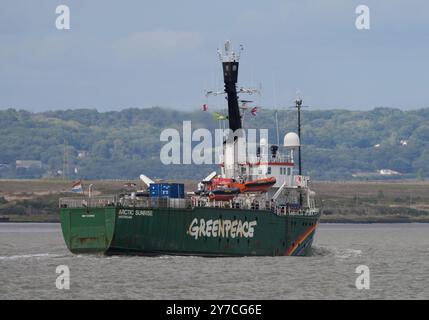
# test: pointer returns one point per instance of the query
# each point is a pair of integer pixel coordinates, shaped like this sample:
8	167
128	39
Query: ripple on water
340	253
396	255
32	256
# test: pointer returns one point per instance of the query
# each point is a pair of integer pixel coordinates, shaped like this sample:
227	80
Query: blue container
170	190
177	190
154	190
157	190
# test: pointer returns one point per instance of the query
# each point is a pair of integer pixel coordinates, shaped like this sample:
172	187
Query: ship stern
88	230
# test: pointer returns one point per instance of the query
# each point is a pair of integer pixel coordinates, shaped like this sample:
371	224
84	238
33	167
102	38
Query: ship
263	206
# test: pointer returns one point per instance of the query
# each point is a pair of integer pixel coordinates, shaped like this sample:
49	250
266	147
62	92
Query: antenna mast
298	105
277	128
65	161
230	63
276	113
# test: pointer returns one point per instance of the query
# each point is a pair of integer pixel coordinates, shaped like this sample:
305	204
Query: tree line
337	144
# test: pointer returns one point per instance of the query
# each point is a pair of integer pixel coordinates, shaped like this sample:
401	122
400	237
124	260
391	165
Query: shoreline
352	202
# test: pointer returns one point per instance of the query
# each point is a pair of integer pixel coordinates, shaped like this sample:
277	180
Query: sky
140	53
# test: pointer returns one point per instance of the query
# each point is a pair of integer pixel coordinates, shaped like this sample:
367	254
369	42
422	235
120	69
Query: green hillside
124	144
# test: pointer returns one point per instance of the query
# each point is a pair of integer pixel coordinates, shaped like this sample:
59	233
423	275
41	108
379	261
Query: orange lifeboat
223	193
239	186
259	185
224	182
225	188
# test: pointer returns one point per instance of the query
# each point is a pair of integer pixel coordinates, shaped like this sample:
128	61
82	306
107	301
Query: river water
397	256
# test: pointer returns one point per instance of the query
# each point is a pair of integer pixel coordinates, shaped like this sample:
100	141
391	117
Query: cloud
155	43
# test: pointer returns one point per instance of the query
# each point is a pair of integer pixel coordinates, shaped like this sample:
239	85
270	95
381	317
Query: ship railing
85	202
283	210
163	202
264	158
109	201
180	203
205	202
280	158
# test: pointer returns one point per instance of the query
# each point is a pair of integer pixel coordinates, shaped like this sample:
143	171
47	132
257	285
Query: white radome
291	140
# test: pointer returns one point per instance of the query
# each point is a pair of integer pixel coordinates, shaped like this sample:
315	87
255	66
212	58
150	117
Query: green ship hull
194	231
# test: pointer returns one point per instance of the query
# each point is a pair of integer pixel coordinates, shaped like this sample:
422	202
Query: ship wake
31	256
339	253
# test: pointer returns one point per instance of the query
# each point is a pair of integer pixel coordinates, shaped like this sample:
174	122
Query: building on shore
28	164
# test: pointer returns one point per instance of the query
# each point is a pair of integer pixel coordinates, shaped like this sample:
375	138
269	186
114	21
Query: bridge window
269	170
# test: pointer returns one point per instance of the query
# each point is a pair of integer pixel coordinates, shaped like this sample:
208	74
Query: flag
77	187
205	107
254	110
301	181
244	104
219	116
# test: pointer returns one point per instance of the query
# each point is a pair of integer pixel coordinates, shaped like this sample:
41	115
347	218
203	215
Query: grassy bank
352	202
374	201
